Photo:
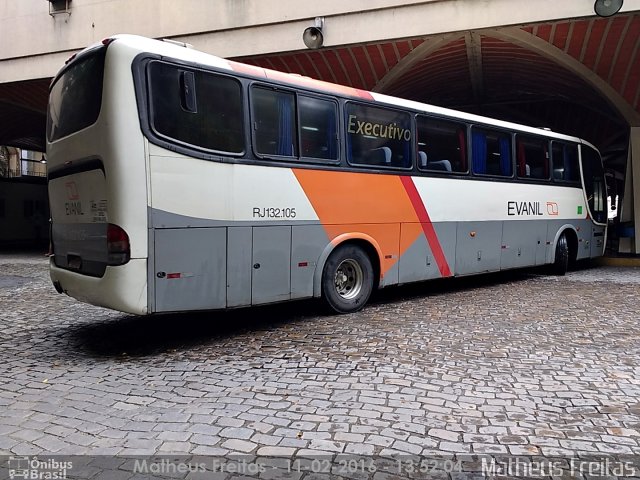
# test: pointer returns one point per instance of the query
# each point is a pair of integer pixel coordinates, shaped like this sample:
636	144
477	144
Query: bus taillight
118	247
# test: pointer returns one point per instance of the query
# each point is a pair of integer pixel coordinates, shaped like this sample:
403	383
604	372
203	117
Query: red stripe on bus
427	226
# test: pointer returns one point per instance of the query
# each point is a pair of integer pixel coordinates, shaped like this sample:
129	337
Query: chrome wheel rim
349	279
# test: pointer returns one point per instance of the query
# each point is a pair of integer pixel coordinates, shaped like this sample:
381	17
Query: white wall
34	44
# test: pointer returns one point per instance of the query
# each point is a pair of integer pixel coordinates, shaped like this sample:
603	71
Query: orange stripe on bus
374	205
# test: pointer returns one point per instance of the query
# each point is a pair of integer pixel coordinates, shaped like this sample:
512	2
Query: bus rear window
76	96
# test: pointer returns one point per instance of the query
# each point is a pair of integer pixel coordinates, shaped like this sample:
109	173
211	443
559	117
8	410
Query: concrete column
631	201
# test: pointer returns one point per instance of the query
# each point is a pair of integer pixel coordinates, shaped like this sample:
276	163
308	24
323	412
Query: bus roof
179	51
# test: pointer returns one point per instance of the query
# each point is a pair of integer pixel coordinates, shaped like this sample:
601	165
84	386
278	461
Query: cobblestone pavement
518	364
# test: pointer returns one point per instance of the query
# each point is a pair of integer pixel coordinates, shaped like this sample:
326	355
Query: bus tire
347	279
561	261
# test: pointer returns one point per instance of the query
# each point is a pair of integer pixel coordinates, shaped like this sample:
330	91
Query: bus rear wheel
561	262
347	279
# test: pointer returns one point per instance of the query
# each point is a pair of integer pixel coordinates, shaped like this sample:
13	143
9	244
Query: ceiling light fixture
312	36
607	8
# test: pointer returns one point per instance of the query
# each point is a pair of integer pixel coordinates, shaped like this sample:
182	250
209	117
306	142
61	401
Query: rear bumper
122	288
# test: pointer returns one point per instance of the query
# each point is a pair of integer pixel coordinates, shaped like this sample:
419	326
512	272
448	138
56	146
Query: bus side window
378	137
532	157
212	119
491	152
565	162
441	145
274	122
318	128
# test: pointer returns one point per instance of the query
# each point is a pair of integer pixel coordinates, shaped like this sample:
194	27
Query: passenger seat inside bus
380	156
442	165
422	160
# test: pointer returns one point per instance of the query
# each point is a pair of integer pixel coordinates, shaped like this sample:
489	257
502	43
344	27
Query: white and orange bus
182	181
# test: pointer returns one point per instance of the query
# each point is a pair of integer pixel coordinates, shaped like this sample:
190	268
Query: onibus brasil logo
32	468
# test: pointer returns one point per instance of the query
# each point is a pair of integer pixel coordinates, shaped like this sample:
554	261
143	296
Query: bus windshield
594	184
76	96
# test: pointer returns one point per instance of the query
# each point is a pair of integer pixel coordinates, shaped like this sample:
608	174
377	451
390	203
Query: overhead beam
418	54
531	42
473	43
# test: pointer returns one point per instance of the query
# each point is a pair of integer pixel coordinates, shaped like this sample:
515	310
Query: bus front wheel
561	262
347	279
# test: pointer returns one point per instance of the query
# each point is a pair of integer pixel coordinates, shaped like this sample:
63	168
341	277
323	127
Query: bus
181	181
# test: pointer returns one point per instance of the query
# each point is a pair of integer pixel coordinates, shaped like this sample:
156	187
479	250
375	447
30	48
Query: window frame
495	129
168	140
453	120
380	106
545	141
576	146
252	120
341	104
336	110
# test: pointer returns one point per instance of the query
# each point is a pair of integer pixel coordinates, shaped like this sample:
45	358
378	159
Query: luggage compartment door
271	264
190	269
